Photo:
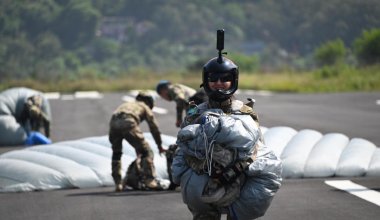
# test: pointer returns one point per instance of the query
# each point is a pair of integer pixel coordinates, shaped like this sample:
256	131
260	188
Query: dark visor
223	77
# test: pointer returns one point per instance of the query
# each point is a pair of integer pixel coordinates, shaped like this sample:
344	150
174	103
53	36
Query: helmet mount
220	66
220	44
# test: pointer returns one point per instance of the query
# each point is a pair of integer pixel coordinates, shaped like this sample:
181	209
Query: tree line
53	39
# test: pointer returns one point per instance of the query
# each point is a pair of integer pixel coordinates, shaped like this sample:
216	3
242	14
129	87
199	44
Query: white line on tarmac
127	98
159	110
52	95
88	95
356	190
255	92
67	97
76	95
378	102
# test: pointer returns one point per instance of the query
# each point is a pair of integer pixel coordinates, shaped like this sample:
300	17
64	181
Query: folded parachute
87	162
11	105
240	134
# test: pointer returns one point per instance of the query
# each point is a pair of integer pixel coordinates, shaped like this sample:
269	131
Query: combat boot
151	184
149	173
116	175
119	187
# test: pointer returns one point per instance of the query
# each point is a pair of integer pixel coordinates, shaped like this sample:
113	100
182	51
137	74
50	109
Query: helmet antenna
220	44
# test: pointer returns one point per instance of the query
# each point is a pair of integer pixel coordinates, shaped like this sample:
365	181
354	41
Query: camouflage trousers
170	153
124	126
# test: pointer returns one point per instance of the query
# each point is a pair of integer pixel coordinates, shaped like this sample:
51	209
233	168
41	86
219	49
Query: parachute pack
230	166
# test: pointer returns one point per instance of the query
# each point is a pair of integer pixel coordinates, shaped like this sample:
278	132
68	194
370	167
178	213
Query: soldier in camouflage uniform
220	81
33	117
181	95
23	111
124	124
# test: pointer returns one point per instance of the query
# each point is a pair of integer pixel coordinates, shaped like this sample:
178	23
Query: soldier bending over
124	124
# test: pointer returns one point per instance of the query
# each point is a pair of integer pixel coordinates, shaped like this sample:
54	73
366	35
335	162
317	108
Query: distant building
114	28
117	28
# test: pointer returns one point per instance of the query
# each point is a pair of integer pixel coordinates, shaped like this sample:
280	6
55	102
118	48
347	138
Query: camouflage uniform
124	125
32	116
169	161
182	94
229	106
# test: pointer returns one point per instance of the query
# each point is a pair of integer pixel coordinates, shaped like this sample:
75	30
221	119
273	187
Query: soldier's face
164	93
218	81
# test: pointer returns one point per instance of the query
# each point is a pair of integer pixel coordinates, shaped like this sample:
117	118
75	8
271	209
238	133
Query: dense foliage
367	47
330	53
54	39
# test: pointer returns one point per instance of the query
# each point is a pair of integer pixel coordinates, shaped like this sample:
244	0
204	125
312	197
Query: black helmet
220	66
146	98
162	84
213	66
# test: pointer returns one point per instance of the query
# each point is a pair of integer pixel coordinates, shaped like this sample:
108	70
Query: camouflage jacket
230	107
180	94
140	112
32	116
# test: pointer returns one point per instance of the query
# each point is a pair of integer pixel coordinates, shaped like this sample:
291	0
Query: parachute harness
209	146
209	152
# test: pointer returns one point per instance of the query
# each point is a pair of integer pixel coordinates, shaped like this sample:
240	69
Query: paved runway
353	114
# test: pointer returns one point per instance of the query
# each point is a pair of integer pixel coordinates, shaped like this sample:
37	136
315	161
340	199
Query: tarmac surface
353	114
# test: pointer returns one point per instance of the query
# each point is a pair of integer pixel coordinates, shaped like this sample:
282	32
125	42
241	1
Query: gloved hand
161	150
35	138
178	123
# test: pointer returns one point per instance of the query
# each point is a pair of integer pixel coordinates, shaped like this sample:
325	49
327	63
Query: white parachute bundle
79	163
11	106
308	153
87	162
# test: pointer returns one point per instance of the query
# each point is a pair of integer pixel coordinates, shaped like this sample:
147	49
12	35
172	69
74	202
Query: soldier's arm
24	115
153	127
178	96
46	123
180	107
25	119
